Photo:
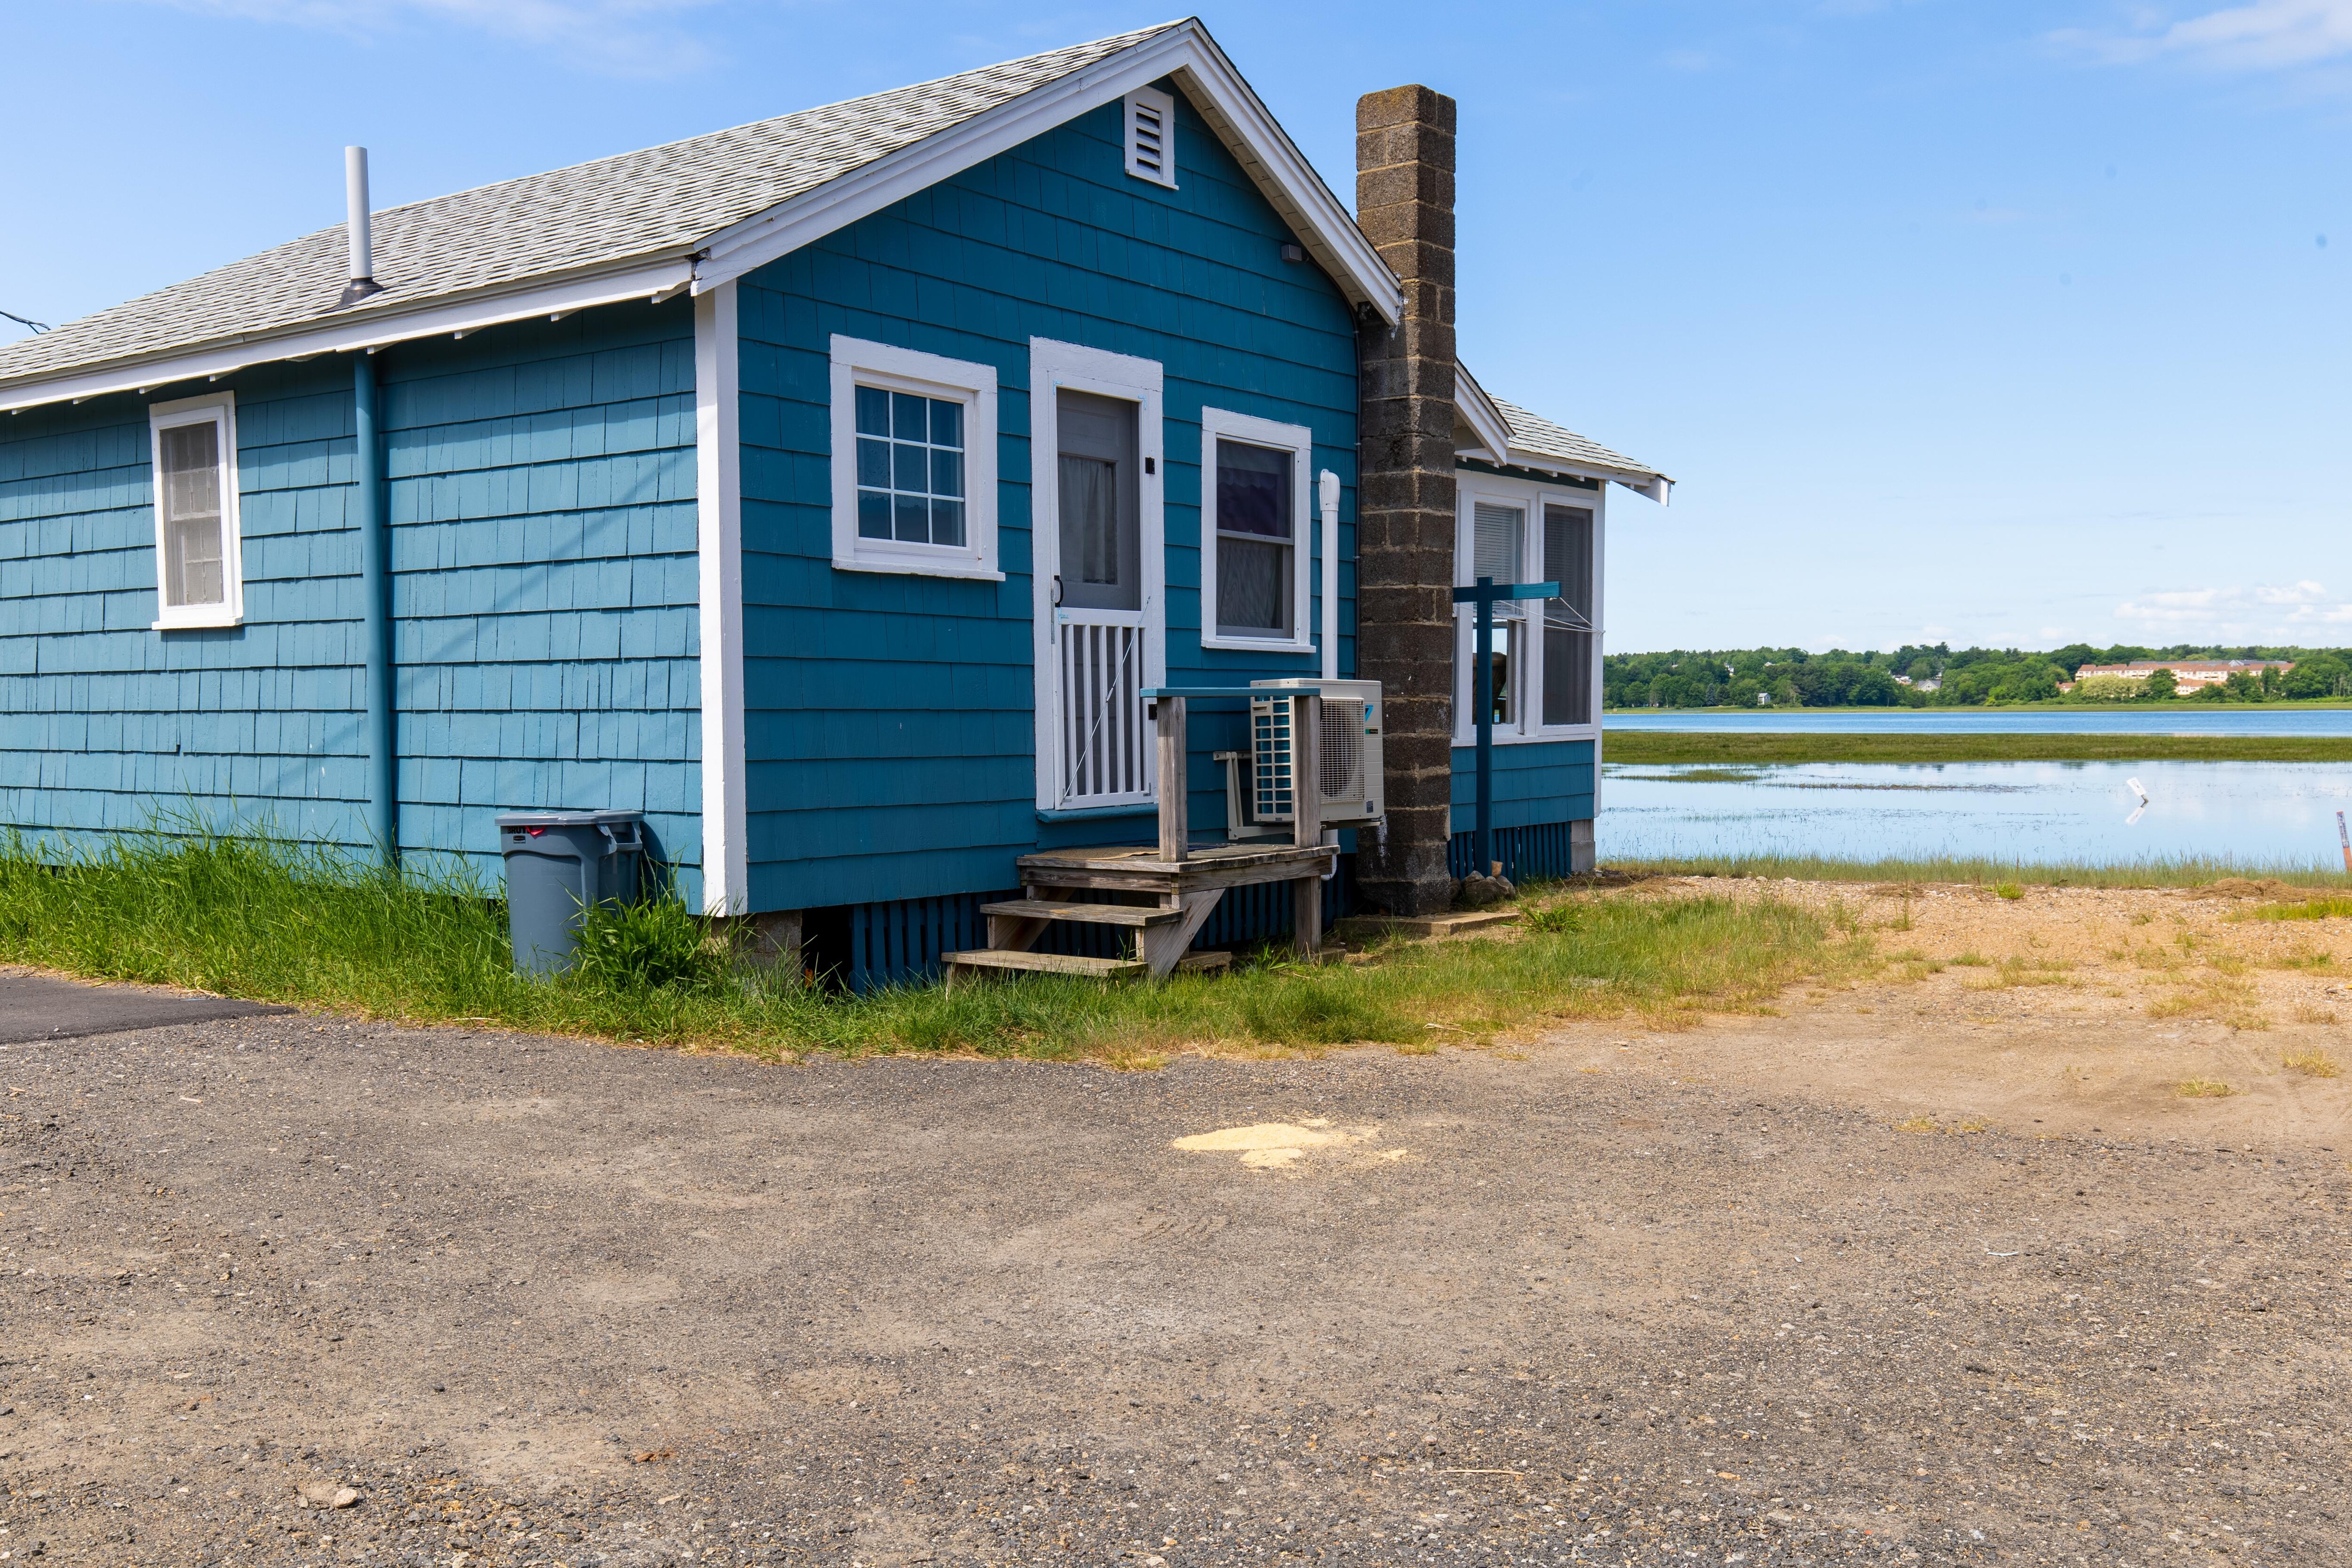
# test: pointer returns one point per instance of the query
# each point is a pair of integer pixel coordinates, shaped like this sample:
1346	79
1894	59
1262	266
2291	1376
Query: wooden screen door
1100	630
1101	584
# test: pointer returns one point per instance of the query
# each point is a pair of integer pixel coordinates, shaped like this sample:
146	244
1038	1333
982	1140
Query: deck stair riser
1183	884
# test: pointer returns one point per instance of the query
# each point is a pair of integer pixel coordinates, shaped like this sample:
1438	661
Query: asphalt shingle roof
1534	433
663	201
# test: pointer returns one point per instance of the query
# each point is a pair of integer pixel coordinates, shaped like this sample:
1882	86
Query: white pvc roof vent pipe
355	224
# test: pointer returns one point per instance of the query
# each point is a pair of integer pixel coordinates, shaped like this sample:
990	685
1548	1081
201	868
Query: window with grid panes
910	467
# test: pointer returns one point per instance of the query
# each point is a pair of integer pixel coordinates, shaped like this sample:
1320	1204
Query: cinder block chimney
1405	510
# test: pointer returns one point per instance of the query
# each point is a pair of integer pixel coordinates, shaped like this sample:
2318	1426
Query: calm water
2012	721
2266	813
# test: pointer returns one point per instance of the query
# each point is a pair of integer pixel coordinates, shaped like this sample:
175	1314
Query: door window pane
909	467
193	549
1100	503
1256	546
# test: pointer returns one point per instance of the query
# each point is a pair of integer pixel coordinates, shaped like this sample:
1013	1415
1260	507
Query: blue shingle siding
890	728
541	495
1534	782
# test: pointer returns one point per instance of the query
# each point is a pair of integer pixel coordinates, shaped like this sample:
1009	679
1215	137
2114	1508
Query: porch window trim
858	362
1530	499
1297	440
217	409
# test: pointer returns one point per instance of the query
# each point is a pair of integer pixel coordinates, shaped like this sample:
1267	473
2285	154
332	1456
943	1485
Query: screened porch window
1545	651
1567	621
196	554
1498	538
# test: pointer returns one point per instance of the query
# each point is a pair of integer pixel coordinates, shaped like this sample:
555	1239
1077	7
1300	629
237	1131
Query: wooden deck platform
1163	892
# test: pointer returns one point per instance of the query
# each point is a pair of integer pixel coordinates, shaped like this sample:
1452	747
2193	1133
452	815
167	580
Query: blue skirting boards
1540	849
863	946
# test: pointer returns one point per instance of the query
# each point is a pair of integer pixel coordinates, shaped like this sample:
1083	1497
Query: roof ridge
1123	40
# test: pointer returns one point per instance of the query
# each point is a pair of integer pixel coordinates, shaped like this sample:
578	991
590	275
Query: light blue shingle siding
890	718
543	503
1534	782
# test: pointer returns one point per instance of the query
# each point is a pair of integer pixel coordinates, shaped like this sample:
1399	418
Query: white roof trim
658	279
1478	411
1493	431
1185	52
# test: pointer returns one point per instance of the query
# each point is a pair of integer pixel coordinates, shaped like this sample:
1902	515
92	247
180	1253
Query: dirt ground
1941	1268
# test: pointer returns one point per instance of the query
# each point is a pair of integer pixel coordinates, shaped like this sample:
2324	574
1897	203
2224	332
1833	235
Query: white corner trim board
719	542
858	362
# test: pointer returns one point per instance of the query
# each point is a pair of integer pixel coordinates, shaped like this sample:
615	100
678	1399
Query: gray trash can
559	863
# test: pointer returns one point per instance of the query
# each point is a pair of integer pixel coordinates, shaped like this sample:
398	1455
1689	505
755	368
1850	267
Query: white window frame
1299	442
858	363
1530	497
217	409
1161	106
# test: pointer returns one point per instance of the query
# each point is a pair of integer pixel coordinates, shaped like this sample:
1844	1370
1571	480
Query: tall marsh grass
266	919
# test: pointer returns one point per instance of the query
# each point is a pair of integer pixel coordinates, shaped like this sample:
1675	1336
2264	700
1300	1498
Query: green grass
2309	909
271	921
1987	873
1661	746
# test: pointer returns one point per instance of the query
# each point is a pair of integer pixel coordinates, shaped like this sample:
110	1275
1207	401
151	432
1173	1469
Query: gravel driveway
519	1300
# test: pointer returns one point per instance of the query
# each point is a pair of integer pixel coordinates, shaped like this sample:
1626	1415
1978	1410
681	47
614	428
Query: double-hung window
1542	663
1255	522
199	572
913	462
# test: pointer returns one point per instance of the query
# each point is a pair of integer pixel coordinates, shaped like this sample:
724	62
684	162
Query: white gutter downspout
1330	489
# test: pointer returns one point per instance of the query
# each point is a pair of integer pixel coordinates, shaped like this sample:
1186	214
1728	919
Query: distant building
2188	674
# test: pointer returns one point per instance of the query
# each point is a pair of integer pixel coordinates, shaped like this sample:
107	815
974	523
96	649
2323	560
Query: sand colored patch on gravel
2069	1010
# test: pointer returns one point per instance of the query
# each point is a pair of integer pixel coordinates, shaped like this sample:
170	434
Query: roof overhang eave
1641	481
652	277
1184	51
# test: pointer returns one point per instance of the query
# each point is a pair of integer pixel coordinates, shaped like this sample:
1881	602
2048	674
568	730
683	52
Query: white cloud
2266	34
2265	612
614	37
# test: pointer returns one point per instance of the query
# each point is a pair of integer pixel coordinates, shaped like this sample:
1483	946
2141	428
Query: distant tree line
1969	678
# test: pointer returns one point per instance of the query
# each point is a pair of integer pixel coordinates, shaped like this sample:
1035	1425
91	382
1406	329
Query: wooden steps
979	958
1133	915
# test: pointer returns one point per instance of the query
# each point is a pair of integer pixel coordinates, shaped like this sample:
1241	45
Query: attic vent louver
1151	136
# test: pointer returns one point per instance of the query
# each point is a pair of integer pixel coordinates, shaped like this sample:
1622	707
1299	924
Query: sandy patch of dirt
2145	1012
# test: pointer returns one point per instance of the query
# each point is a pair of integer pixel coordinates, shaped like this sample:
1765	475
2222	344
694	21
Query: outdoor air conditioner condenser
1351	782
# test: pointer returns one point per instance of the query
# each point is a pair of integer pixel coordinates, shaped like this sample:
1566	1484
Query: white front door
1101	579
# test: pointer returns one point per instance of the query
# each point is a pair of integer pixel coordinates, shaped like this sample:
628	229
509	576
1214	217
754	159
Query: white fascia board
1641	481
1185	52
374	329
1485	421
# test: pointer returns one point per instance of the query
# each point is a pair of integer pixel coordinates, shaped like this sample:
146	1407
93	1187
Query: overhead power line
22	322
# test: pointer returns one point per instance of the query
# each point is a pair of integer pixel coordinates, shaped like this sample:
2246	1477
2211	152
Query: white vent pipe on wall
356	226
1331	496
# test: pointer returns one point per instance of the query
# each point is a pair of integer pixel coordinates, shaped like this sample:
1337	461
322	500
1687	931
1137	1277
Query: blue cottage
830	490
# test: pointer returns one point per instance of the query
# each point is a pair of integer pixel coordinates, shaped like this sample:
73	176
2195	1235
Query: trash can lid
512	819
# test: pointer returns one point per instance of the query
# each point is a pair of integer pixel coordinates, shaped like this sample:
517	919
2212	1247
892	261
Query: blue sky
1956	318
